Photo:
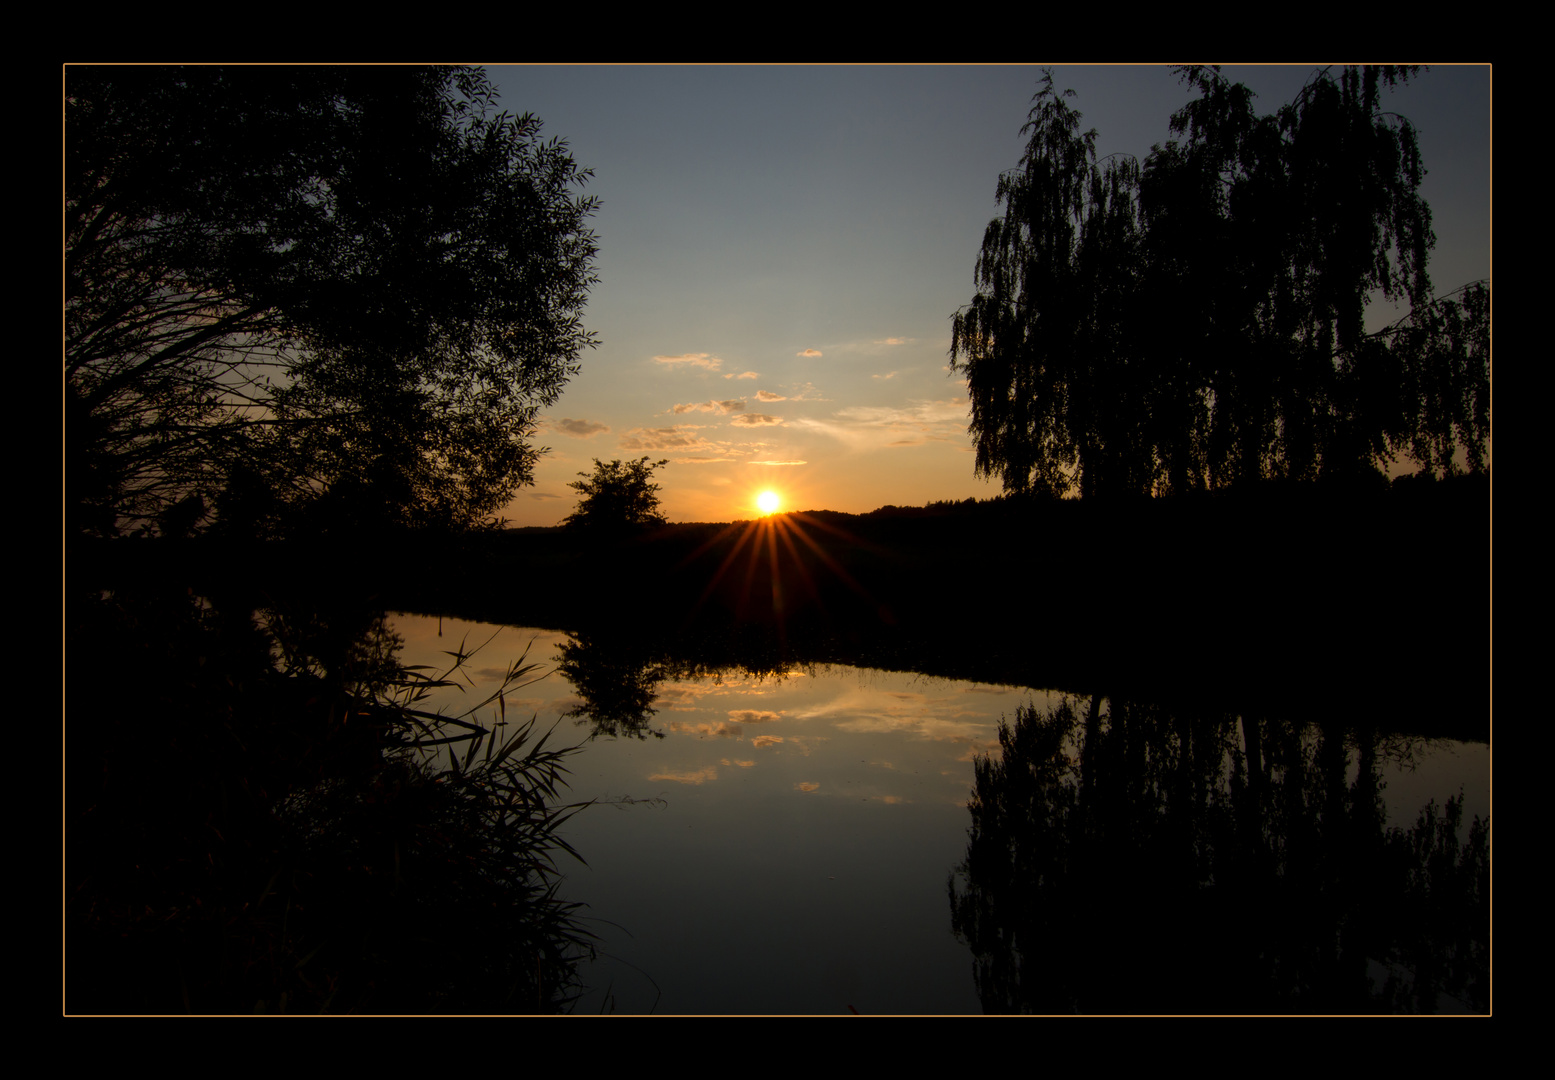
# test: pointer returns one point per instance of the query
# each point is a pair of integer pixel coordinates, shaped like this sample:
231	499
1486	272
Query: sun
768	501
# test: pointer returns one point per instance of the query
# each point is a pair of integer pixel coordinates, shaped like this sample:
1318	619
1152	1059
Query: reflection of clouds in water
719	730
977	748
753	716
524	704
866	711
680	698
741	764
951	728
491	674
697	777
761	742
806	786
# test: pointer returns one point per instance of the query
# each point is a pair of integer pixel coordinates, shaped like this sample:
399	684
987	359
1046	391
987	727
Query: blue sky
782	249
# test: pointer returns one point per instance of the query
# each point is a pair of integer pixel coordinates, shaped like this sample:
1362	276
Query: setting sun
768	501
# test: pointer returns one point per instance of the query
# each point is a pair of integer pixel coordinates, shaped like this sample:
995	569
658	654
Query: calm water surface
785	846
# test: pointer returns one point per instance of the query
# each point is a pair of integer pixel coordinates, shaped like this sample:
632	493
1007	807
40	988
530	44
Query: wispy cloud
678	437
544	495
774	463
809	352
756	419
768	395
580	429
895	341
743	375
761	742
806	785
692	359
732	405
869	426
692	447
888	375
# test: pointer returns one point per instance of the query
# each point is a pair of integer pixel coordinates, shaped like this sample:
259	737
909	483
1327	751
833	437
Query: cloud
692	359
756	419
580	429
952	410
542	495
806	785
741	764
763	741
895	341
774	463
679	437
743	375
809	352
768	395
692	447
753	716
808	392
890	375
732	405
866	427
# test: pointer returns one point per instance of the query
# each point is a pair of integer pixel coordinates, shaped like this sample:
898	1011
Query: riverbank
1339	598
1255	597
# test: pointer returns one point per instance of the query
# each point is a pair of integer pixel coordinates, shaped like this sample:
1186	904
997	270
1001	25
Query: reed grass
275	819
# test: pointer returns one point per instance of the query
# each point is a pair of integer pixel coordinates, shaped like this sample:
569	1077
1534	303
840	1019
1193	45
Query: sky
781	250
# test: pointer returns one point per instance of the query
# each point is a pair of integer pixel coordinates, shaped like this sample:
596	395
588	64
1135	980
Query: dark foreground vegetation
260	818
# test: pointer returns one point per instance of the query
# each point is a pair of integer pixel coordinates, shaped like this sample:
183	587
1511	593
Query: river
789	841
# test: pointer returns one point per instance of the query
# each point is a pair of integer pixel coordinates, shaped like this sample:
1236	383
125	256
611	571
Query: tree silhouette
619	497
358	285
1198	321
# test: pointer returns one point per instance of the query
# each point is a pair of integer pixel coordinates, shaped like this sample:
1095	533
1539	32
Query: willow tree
299	288
1200	320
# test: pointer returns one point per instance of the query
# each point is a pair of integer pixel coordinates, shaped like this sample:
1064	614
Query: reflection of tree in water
617	681
618	678
1140	861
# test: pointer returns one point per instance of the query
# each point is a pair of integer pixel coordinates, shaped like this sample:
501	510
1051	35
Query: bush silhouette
619	497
